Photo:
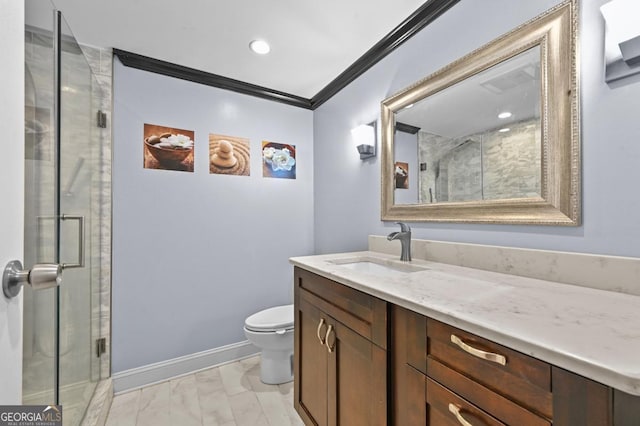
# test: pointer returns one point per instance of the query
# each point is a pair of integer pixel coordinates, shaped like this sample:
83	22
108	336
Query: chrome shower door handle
81	229
80	263
40	277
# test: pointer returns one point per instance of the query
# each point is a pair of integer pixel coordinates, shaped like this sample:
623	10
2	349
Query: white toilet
272	331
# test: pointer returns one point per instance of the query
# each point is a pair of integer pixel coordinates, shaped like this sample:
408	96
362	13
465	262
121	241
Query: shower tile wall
101	63
461	173
489	165
431	148
511	162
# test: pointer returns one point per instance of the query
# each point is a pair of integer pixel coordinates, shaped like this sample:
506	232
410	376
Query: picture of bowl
165	155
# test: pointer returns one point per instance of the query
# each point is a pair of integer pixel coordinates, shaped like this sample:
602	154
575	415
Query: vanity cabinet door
357	379
340	377
340	356
408	354
310	363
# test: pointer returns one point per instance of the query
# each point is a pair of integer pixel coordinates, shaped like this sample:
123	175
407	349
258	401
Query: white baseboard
161	371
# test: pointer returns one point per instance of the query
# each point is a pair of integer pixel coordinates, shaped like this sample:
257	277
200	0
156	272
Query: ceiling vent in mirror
510	80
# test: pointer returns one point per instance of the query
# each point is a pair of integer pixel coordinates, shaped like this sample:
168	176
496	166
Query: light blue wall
194	254
347	193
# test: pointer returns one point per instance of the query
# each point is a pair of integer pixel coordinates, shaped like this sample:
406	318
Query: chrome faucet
405	239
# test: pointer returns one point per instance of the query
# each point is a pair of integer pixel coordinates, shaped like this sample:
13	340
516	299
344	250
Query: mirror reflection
478	139
493	137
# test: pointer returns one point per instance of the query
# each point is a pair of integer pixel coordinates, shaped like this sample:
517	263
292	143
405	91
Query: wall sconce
622	39
365	137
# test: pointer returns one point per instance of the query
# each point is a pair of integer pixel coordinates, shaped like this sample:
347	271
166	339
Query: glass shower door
79	201
62	215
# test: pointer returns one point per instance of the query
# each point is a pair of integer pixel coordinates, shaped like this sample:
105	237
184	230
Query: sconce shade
365	137
622	39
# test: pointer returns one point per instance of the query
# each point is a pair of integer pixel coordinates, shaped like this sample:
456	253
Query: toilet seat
278	319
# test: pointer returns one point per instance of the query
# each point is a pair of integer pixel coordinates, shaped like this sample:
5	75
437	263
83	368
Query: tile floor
229	395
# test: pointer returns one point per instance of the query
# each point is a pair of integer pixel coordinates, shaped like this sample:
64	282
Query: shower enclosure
66	208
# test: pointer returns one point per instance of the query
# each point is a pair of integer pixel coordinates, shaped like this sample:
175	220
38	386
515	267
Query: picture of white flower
175	141
278	160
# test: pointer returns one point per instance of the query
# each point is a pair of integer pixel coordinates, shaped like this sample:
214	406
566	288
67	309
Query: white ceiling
312	42
472	106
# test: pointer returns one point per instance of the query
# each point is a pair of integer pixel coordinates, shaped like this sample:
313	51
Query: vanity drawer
361	312
523	379
499	407
439	412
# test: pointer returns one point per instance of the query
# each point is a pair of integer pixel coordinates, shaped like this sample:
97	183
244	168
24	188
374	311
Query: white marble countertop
594	333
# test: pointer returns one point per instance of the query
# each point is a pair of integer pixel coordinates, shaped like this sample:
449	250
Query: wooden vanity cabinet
408	367
340	356
359	360
437	382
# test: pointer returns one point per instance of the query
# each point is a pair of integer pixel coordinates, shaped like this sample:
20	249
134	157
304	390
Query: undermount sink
375	266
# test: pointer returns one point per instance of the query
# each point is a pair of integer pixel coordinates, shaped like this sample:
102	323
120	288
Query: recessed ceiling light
505	114
506	129
260	47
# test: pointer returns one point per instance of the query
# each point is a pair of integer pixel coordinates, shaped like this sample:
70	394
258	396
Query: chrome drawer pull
318	331
455	410
489	356
326	339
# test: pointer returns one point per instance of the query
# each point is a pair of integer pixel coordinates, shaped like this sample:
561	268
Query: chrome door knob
40	277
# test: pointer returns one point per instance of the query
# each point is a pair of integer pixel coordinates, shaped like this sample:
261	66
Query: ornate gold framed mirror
493	137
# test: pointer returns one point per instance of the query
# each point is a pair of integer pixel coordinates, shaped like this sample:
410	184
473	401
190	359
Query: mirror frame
555	31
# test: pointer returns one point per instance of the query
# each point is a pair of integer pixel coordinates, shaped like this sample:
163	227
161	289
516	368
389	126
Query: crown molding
419	19
157	66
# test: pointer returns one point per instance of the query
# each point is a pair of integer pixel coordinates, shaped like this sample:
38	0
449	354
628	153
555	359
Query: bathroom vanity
340	355
378	342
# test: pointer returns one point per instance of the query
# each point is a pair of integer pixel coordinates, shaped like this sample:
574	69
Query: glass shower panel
40	240
79	229
63	191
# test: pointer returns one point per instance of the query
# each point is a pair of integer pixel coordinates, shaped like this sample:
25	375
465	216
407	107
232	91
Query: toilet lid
272	319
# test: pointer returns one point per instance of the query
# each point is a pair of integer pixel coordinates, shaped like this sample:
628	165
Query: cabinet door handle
455	410
318	331
489	356
326	339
